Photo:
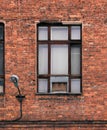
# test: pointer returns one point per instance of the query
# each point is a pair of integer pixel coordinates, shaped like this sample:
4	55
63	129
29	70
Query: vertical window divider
69	66
49	57
4	57
49	33
2	43
69	33
81	60
37	59
81	33
37	67
69	57
37	84
49	65
80	68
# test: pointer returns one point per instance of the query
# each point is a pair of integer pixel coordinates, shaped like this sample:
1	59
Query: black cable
19	90
20	113
20	99
17	119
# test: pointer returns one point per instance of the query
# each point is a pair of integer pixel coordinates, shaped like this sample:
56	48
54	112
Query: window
1	58
59	58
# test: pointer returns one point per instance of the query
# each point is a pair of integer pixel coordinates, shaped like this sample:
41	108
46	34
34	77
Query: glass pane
43	33
75	86
1	85
59	33
75	60
1	32
43	59
43	86
75	33
1	59
59	59
59	84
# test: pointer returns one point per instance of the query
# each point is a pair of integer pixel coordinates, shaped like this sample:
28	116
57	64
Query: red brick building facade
53	111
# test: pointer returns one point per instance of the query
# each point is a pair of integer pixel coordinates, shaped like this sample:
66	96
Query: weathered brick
20	17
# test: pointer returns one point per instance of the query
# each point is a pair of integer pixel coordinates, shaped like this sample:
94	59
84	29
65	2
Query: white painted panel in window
59	59
75	86
75	60
43	33
43	86
75	33
43	59
59	33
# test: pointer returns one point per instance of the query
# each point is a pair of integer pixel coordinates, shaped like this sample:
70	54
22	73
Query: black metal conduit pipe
20	99
59	123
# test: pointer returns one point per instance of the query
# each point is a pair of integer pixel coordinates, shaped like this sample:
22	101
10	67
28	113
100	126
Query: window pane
43	86
75	86
1	85
1	59
59	59
75	33
59	84
43	33
59	33
75	60
1	32
43	59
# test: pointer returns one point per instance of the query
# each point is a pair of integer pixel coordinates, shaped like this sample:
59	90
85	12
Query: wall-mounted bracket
20	98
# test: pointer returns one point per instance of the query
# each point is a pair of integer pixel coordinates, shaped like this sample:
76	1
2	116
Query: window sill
59	94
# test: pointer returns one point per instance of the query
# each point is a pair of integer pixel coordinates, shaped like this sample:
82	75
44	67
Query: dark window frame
2	41
68	42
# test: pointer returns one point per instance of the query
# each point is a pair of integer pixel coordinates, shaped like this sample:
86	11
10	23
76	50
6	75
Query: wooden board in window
59	87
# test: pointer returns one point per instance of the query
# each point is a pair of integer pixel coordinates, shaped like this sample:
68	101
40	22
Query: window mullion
49	66
2	69
49	33
69	33
81	66
49	58
69	57
69	65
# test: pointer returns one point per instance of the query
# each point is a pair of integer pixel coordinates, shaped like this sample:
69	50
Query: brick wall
20	18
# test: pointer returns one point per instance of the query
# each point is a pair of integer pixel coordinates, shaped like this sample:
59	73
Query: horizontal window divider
58	75
75	42
60	42
75	76
53	42
43	76
47	76
2	76
43	42
1	42
1	93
